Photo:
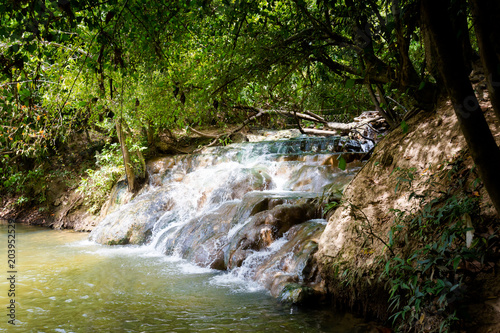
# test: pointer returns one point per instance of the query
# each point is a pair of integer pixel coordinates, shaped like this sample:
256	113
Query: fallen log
319	132
203	134
216	139
310	116
332	127
314	115
351	126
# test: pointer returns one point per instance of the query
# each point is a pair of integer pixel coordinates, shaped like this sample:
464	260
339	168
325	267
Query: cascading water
246	208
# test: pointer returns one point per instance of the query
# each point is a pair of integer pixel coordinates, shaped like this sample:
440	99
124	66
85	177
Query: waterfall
251	209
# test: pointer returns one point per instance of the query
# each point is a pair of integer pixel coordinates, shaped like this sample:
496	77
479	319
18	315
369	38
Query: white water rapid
252	209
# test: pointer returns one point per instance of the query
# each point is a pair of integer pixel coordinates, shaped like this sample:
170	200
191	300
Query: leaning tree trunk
486	24
460	24
482	145
387	116
129	171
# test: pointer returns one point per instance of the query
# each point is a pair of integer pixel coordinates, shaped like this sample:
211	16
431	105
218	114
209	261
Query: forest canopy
132	70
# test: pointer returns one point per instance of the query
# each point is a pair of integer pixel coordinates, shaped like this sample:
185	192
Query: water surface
66	283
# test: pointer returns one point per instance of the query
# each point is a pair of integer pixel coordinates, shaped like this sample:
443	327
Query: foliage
72	67
79	67
25	183
434	251
98	183
174	64
428	280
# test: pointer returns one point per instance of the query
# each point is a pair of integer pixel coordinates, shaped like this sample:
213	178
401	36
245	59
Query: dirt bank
428	162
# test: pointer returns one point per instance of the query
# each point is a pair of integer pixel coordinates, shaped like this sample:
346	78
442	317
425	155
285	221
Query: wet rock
352	146
157	167
251	204
119	196
297	294
202	238
131	224
264	228
240	183
218	209
310	178
293	262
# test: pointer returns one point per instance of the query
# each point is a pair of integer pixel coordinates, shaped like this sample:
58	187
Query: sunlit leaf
342	162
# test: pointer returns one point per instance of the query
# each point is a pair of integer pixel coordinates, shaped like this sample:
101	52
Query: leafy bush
427	280
23	183
435	252
97	186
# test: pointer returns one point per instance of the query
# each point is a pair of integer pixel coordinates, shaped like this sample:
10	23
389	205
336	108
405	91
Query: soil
353	240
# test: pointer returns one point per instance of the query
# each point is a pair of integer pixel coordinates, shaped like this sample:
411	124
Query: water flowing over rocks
253	209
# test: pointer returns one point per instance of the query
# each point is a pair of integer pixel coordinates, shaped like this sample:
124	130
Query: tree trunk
461	27
150	134
129	171
482	145
376	103
430	53
403	27
391	112
486	19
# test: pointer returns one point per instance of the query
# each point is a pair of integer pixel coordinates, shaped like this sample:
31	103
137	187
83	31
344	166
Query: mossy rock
296	294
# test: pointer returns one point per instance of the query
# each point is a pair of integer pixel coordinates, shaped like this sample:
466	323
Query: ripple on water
72	285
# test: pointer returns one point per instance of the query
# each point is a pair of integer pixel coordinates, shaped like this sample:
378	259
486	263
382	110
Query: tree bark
407	75
129	171
392	114
150	134
481	143
486	19
376	103
461	27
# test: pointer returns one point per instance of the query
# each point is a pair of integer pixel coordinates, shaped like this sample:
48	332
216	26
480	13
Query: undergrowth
99	182
431	253
435	250
97	186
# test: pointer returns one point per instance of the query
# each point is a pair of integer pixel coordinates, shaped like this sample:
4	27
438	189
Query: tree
199	62
486	15
452	69
367	43
81	43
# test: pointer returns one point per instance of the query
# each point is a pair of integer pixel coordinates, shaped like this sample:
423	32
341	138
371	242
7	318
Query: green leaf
342	162
387	267
421	86
349	83
404	126
31	48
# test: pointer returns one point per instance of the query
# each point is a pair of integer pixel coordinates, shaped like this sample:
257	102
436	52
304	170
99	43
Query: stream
65	283
221	241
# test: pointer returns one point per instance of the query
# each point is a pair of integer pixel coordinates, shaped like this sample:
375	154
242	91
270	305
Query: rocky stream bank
271	221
